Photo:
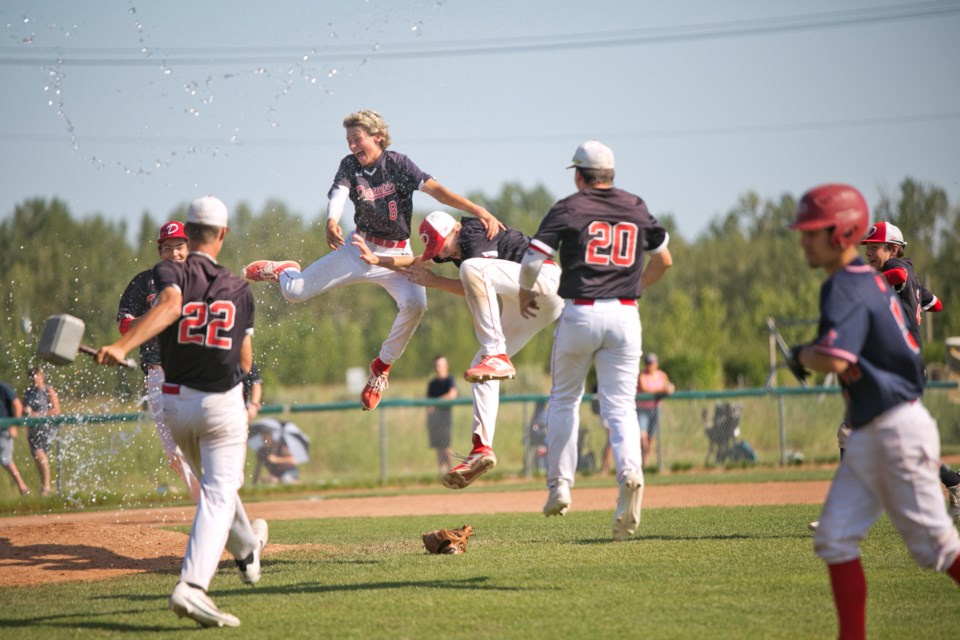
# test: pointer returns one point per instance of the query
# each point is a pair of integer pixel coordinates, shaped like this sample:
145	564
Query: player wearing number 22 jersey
602	235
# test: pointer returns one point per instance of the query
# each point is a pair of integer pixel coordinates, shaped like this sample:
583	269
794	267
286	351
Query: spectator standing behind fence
10	407
440	419
40	400
652	379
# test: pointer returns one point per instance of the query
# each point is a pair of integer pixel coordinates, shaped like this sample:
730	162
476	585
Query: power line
785	127
525	44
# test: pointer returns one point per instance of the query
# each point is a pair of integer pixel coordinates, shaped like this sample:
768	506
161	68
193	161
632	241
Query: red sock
850	595
477	442
954	570
378	366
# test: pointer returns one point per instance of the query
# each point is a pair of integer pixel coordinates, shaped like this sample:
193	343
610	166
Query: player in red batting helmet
837	206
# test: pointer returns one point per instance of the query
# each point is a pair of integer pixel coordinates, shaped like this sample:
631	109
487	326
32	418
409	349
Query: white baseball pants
211	430
890	465
502	331
607	334
344	267
175	457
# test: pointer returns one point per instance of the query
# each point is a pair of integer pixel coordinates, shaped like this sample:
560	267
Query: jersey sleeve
547	238
413	175
844	323
133	301
344	176
168	274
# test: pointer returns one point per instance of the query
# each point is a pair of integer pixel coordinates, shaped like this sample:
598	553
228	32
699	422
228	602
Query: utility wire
525	44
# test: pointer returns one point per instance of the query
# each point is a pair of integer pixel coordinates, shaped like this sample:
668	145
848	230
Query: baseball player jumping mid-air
136	300
601	234
864	338
489	267
204	318
380	183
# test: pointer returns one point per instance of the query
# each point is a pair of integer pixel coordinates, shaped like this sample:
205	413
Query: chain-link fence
120	453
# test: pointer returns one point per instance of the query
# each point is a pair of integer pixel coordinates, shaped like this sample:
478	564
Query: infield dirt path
100	545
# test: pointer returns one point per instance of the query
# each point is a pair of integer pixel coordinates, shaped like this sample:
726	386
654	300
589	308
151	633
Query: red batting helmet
836	206
172	229
884	233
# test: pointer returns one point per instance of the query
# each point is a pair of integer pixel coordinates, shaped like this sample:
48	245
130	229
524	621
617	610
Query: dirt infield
86	546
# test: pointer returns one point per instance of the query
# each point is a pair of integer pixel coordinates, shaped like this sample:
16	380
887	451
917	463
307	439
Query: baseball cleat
627	517
496	367
480	460
195	604
373	391
268	270
954	494
250	566
558	502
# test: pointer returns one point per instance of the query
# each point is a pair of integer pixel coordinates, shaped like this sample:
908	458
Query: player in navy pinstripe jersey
603	235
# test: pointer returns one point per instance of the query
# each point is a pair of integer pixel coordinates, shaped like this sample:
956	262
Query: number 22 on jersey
611	244
207	325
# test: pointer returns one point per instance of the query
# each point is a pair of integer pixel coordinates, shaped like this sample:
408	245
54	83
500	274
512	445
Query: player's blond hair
371	122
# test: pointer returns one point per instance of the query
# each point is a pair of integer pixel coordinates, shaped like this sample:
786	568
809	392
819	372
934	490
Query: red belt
171	389
383	242
589	301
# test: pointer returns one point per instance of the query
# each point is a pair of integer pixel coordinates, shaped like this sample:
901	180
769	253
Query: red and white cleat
268	270
480	460
373	391
496	367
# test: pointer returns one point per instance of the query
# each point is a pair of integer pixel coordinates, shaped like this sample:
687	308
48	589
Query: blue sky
120	107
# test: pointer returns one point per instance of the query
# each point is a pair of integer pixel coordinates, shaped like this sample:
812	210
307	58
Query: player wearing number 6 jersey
601	234
891	457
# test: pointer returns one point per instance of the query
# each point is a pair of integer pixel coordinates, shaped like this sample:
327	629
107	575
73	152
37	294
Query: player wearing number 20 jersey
601	235
206	340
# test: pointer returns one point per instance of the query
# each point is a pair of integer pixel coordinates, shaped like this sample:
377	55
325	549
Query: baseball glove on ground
448	540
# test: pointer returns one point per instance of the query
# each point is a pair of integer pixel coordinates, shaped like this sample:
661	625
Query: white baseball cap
208	210
592	154
434	231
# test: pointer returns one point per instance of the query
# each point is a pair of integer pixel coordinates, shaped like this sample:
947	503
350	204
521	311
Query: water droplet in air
332	73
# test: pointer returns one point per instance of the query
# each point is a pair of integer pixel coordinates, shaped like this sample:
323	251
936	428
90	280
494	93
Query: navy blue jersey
201	350
506	245
382	195
7	396
601	236
863	322
136	300
914	296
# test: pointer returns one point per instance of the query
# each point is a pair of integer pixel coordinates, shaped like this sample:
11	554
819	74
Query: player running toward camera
864	338
136	300
885	245
488	267
204	318
380	184
601	234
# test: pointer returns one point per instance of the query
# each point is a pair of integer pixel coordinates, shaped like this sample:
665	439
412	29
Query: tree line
706	319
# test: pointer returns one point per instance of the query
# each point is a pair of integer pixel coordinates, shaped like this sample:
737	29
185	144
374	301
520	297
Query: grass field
717	572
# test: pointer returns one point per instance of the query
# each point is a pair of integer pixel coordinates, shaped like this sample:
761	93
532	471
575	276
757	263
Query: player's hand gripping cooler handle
129	363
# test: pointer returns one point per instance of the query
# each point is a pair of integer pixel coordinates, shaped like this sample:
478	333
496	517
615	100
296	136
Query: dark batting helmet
839	207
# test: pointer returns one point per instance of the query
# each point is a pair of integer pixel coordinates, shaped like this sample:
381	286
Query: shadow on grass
71	621
665	538
79	557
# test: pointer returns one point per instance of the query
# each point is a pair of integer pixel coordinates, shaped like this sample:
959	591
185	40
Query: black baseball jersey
601	236
914	296
136	300
863	322
382	195
201	350
506	245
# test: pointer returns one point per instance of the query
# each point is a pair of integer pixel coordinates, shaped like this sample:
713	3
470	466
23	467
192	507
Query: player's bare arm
397	263
421	275
150	324
246	353
657	265
812	359
444	196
